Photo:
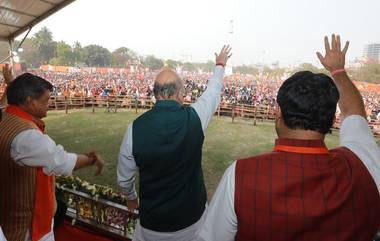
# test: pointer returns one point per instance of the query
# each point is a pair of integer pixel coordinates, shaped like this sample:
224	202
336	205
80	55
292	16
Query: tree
172	64
64	55
309	67
369	73
244	69
277	72
121	56
207	67
30	54
153	63
189	67
78	53
95	55
44	43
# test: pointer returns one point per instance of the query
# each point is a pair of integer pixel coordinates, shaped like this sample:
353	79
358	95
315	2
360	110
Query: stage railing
96	205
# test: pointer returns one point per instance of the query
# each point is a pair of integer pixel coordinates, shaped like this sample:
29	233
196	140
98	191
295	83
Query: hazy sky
290	31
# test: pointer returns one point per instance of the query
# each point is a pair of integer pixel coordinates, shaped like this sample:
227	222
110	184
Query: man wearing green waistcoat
165	145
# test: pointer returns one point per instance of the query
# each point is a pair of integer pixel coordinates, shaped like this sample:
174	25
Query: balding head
167	86
166	76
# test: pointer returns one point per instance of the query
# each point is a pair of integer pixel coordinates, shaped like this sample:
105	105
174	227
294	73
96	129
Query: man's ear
278	112
28	100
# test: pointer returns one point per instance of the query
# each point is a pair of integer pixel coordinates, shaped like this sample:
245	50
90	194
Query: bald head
166	76
167	86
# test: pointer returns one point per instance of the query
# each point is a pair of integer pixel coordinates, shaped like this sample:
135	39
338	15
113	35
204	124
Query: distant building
372	51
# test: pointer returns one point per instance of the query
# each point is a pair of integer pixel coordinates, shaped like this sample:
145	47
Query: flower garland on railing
94	190
93	210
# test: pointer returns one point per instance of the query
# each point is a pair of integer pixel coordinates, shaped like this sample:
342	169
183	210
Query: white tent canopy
17	16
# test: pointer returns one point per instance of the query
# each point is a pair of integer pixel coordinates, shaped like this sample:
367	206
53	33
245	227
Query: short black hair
308	101
26	85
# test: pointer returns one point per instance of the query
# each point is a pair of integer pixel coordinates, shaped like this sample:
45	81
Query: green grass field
81	131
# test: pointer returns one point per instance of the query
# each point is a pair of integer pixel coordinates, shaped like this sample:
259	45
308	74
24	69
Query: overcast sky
289	31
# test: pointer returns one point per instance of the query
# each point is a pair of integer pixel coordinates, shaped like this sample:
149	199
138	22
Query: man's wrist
341	76
337	71
91	160
132	196
220	64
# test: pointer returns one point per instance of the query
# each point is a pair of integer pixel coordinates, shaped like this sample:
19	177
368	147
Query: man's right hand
223	56
350	101
335	58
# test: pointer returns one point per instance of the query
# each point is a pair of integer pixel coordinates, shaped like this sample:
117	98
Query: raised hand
350	100
7	73
335	57
223	56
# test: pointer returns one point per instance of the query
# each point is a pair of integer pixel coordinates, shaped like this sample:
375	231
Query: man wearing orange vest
301	190
29	159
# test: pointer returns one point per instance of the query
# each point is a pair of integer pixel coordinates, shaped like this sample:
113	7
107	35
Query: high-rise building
372	51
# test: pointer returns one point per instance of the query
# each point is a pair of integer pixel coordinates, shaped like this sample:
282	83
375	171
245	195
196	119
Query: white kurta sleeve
126	166
33	148
220	221
356	135
208	102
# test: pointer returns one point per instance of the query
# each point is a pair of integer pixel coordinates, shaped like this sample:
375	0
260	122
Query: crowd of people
238	89
247	89
242	89
371	100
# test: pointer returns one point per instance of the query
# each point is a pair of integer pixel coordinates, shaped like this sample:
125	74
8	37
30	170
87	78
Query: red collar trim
18	111
301	146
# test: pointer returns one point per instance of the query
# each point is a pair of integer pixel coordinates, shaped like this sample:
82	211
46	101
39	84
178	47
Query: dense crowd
372	103
238	89
244	89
